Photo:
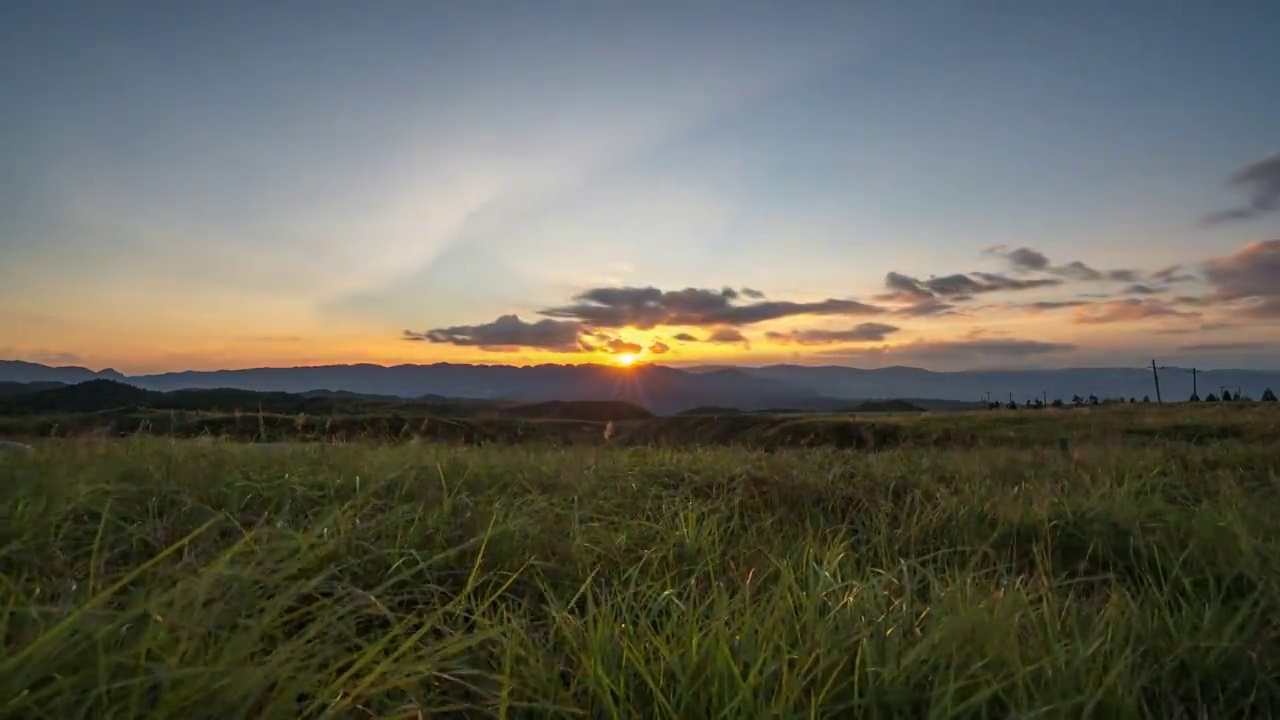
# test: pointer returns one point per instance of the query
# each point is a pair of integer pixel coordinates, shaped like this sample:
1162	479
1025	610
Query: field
1110	562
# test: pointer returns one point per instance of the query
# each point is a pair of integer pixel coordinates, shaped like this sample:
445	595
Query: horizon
234	187
615	367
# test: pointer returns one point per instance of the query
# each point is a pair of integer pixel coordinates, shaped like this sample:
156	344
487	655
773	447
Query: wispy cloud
864	332
1261	182
1227	346
962	349
1250	275
1127	311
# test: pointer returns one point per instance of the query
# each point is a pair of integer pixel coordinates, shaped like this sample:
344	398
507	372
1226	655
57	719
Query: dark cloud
753	294
1227	346
1079	271
726	336
509	332
925	308
1025	258
684	337
1140	289
618	346
649	307
1127	310
904	287
864	332
956	287
657	347
1261	181
1172	274
1053	305
1251	274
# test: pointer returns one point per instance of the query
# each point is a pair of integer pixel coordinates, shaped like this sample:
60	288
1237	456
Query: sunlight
626	360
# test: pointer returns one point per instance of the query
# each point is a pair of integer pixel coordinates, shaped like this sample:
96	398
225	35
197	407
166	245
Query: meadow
1111	562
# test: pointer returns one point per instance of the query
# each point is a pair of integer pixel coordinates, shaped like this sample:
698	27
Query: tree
1226	396
1132	401
1146	398
1211	398
1077	400
1093	400
1268	396
1194	398
1057	402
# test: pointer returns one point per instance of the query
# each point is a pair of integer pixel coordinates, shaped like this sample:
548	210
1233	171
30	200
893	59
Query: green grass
1137	575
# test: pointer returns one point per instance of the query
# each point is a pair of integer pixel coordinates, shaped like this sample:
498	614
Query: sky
944	185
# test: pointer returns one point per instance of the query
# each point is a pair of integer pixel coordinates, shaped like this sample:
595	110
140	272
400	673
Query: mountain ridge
664	389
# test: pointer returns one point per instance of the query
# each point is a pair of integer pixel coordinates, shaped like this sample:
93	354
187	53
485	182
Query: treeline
1078	401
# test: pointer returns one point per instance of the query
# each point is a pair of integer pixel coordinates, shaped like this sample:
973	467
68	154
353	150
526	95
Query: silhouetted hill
12	389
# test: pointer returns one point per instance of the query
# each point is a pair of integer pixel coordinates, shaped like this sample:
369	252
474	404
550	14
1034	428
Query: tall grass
153	578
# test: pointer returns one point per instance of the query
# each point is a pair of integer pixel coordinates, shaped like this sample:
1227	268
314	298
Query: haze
949	185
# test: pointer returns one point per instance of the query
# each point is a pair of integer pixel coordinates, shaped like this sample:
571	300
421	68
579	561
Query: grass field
1136	573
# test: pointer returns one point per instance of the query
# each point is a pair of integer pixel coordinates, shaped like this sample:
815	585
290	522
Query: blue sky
234	184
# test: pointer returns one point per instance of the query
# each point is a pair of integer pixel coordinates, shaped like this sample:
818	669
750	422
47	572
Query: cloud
684	337
865	332
958	286
509	332
657	347
42	356
959	349
1227	346
1251	274
1140	289
1261	181
726	336
648	307
618	346
1172	274
925	308
753	294
1025	258
1044	305
1126	311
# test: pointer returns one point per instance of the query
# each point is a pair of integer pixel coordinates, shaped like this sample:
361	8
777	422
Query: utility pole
1045	394
1156	374
1195	388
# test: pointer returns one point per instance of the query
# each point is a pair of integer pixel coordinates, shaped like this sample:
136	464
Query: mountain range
667	390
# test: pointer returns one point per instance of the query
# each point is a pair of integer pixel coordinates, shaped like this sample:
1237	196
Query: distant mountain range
667	390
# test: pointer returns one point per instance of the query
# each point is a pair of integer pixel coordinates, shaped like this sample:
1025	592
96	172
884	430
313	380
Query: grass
1135	575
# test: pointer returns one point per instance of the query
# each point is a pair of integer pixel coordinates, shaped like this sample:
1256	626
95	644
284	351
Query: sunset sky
946	185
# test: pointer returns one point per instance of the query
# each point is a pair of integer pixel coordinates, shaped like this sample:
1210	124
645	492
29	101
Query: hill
96	396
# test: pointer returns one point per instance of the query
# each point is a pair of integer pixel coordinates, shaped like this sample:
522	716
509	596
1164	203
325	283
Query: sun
626	360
